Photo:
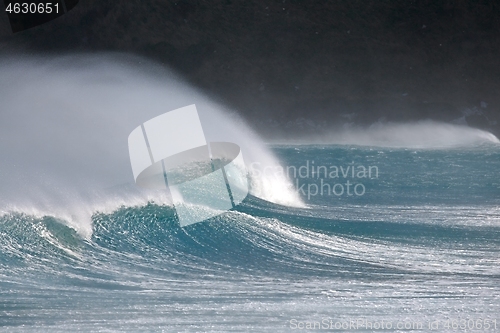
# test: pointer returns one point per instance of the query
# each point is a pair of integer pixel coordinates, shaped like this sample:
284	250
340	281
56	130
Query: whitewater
83	249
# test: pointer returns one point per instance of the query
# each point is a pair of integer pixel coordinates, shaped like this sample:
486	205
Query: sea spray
423	134
64	125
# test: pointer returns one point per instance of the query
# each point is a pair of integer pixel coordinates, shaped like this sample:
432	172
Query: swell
134	243
65	122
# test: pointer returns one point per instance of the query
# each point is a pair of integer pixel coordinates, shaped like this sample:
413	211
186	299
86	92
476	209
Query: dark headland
293	64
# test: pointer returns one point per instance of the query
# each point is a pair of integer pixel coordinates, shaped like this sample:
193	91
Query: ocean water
418	251
394	227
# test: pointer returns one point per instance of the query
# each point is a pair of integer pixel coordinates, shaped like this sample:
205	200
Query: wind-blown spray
64	125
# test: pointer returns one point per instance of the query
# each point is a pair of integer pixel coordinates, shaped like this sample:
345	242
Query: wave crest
421	134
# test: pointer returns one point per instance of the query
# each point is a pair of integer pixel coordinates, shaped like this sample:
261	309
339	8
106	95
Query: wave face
420	245
64	127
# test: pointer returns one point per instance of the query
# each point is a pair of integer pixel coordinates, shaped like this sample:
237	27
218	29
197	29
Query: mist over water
426	134
422	134
64	124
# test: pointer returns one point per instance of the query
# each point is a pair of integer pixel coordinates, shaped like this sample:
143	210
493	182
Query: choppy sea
386	239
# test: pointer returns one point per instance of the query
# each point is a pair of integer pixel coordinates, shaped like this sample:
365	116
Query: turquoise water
419	246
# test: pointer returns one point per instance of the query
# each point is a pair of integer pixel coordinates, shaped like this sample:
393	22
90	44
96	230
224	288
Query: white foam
64	124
